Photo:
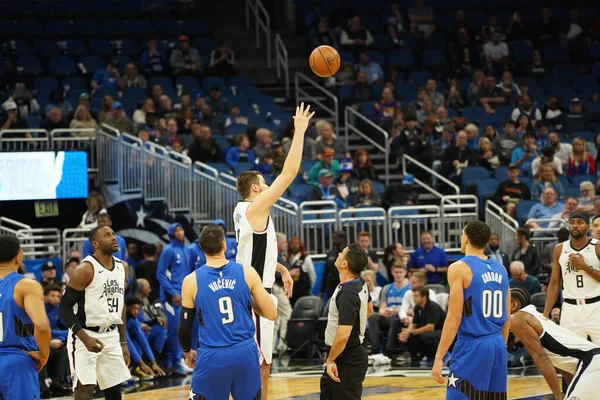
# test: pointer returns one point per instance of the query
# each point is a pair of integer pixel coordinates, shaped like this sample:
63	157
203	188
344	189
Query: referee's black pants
352	367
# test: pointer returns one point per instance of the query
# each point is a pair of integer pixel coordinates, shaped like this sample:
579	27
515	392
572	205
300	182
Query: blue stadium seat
222	142
128	47
45	83
367	108
436	42
346	56
239	100
235	129
45	47
194	27
382	41
272	108
551	82
493	120
372	22
62	66
522	209
403	87
262	99
563	181
307	165
32	122
20	47
595	51
221	168
522	54
594	107
578	179
187	83
378	187
572	192
377	90
204	45
301	191
500	173
504	112
474	113
527	180
135	94
74	83
85	27
239	81
486	189
566	70
59	27
472	175
585	135
92	63
281	119
30	65
167	28
583	83
103	91
256	120
101	47
210	81
243	167
165	82
75	48
141	27
31	27
377	57
402	58
345	93
555	54
122	61
249	91
10	28
115	28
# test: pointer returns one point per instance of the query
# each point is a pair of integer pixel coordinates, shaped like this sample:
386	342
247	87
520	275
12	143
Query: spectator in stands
524	126
390	301
57	101
487	30
157	92
455	98
588	194
439	146
547	179
505	144
165	108
526	252
429	258
57	369
596	146
325	190
490	132
217	101
562	219
331	276
222	60
70	266
106	109
490	96
154	132
543	135
460	22
361	92
12	119
184	100
84	100
323	36
395	22
302	269
485	156
472	136
345	76
416	104
264	141
284	308
119	120
427	111
185	60
493	251
27	105
393	254
364	242
510	88
524	156
577	119
315	15
95	207
496	54
520	278
48	274
82	119
176	145
241	152
562	151
465	55
236	116
132	78
151	316
210	118
346	183
372	69
374	290
186	119
580	162
526	107
171	132
421	19
547	157
433	94
279	157
107	78
154	60
356	38
537	69
327	162
552	113
562	235
10	76
457	157
308	152
54	121
363	166
367	196
511	191
385	110
516	30
547	30
547	209
203	147
441	120
476	88
327	140
104	219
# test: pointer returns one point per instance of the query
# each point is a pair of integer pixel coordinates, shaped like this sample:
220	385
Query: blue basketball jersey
224	305
394	295
16	328
484	311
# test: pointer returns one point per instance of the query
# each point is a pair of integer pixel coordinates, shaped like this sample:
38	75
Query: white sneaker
184	367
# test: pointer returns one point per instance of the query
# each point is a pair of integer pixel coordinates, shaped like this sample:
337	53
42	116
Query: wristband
123	342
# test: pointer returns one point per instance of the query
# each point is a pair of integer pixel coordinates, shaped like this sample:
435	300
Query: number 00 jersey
103	301
577	284
258	249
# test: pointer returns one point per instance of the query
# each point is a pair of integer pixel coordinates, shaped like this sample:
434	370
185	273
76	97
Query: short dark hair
530	134
595	217
524	232
9	248
149	249
572	197
563	234
356	257
509	122
478	233
132	300
422	290
548	151
521	295
93	232
104	215
245	181
52	288
211	239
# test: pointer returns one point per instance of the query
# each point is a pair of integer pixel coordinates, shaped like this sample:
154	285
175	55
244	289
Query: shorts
582	319
479	367
18	376
233	370
265	333
352	367
108	367
586	380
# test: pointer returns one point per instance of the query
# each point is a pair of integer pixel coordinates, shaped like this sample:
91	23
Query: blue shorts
478	368
18	377
223	371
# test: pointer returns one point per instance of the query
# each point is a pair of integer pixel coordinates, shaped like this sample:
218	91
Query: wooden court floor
375	388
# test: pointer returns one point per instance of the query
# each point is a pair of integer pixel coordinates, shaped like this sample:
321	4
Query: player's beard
579	235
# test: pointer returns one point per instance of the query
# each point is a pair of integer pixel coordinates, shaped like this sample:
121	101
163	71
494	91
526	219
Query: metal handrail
12	227
501	224
354	129
282	63
429	171
302	95
262	22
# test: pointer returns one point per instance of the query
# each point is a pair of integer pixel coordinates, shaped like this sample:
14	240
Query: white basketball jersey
258	249
564	348
103	301
578	284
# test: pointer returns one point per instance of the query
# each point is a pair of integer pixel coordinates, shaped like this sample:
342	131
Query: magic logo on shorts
111	287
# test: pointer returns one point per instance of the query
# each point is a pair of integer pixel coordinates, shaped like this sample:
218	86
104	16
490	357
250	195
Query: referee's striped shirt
348	306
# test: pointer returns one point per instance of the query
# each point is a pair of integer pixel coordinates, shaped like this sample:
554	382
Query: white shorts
265	333
582	319
586	381
108	367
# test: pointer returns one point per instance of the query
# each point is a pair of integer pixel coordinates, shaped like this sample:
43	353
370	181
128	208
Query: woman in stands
302	269
581	162
139	116
95	207
394	253
490	132
363	166
485	155
547	179
367	197
82	119
426	111
524	125
475	87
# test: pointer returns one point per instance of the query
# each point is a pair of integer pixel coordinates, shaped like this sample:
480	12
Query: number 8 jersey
484	309
103	302
578	284
224	305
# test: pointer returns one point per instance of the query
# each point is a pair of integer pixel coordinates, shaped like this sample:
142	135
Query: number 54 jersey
102	304
578	284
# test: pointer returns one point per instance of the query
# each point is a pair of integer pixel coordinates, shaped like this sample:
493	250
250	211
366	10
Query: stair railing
262	22
281	61
303	95
406	158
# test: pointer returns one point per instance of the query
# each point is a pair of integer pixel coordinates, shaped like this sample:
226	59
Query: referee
349	308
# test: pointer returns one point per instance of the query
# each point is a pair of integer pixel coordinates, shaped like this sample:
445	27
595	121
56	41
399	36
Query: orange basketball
325	61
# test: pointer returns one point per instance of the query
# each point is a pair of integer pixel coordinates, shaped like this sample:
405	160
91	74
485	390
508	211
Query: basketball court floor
382	383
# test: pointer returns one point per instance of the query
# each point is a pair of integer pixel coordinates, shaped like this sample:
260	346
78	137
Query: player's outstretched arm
453	318
522	326
263	305
33	302
555	281
266	199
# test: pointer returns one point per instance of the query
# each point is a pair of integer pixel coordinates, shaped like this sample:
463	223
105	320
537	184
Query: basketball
324	61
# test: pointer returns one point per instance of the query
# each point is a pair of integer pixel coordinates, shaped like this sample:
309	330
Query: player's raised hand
436	371
302	118
40	360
